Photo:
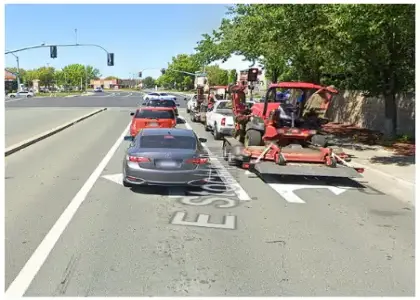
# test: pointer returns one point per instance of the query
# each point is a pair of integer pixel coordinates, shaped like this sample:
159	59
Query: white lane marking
287	191
224	173
203	221
21	283
117	178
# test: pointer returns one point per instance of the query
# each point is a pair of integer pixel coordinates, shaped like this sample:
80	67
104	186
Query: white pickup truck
219	119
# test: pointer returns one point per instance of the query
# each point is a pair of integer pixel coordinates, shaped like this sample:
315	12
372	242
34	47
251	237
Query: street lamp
18	73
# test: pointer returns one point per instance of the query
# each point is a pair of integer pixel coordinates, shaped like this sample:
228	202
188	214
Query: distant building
115	83
10	82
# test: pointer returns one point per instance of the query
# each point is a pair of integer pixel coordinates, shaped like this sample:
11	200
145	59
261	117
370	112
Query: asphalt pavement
72	229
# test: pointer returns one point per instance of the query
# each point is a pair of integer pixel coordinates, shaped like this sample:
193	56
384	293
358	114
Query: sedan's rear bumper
139	176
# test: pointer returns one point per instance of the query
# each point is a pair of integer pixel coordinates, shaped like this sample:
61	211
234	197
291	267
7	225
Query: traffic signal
162	71
110	59
253	74
53	51
140	74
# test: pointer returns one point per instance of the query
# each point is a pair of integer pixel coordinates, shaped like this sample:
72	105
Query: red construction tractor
280	129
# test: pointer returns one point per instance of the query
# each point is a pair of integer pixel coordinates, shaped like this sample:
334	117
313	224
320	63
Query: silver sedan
165	156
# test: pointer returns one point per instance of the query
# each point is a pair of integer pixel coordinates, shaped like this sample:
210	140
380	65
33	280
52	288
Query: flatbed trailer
272	160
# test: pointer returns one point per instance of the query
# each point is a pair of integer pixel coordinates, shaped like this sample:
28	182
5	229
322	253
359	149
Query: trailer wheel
280	160
231	159
225	151
319	140
216	133
253	138
333	162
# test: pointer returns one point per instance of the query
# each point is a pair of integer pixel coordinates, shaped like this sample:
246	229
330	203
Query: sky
141	35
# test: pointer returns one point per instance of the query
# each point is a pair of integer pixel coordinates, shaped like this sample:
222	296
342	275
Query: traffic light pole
64	45
67	45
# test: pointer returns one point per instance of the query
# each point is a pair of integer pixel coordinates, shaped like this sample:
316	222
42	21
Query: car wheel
12	96
188	111
207	128
28	96
216	133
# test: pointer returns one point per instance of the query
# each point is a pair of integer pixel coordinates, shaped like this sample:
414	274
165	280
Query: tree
217	76
111	78
379	46
149	82
372	45
181	62
233	76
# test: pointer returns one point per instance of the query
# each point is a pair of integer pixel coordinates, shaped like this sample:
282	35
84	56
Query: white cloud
234	62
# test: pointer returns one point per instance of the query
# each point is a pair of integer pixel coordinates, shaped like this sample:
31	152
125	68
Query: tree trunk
390	126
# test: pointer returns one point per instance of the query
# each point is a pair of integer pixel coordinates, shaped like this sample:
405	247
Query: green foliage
217	76
149	82
233	76
70	75
182	62
371	46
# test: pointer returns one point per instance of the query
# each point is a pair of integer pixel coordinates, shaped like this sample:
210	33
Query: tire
225	151
207	128
216	134
12	96
188	111
319	140
253	138
280	160
333	163
127	184
28	96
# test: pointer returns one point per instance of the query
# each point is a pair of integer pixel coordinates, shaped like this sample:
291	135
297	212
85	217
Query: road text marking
203	221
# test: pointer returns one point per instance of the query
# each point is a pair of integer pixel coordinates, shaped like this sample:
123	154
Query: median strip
22	145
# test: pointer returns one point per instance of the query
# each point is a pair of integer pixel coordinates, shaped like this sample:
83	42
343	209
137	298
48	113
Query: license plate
168	164
153	124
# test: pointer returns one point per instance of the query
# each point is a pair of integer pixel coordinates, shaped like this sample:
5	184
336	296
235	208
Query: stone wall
351	107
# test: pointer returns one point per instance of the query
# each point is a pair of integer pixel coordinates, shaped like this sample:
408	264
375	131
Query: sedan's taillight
138	159
198	161
223	122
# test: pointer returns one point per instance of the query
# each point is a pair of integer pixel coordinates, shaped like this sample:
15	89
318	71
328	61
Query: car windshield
154	114
161	103
168	142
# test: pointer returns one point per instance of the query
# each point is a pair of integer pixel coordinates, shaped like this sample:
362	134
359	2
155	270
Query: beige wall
350	107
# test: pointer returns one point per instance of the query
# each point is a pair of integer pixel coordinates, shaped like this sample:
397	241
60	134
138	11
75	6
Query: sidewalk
391	171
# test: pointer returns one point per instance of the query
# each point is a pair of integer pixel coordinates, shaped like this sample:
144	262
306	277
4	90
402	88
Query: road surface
158	241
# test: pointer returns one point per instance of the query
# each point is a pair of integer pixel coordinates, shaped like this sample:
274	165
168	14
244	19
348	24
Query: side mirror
185	99
129	138
131	114
202	140
177	104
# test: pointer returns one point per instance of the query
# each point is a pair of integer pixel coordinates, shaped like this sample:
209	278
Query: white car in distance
219	119
166	96
192	103
21	94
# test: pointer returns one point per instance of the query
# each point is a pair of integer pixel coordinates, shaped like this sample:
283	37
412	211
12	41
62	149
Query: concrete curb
22	145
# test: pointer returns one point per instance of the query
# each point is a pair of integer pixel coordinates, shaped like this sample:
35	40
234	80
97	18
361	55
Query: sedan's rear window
163	94
168	142
155	114
161	103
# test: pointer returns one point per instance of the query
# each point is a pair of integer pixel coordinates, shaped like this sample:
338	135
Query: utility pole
18	72
86	78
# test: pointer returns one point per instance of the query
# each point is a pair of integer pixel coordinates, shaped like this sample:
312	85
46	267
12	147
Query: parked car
21	95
